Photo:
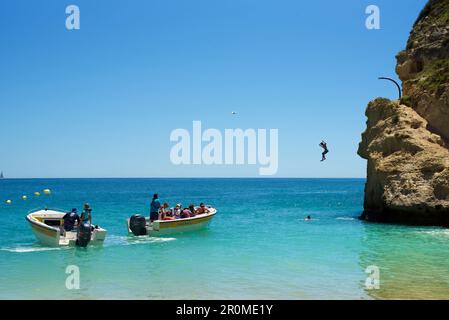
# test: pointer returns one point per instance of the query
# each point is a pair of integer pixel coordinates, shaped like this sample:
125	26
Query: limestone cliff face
424	66
408	167
406	142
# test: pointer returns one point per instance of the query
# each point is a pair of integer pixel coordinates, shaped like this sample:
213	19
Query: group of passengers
160	211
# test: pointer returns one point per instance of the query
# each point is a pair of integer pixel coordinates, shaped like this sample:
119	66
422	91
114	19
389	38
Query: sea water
258	246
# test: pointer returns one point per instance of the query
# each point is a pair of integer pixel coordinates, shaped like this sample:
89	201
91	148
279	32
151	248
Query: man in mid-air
325	150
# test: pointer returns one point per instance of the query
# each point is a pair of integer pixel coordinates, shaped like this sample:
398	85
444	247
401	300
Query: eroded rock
408	167
406	143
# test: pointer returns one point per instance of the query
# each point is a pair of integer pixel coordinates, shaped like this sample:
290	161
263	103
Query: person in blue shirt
154	208
70	218
86	216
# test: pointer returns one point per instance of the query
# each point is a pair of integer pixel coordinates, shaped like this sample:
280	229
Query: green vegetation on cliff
437	11
435	75
443	9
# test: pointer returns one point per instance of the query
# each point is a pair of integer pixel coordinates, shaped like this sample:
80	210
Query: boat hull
53	235
170	227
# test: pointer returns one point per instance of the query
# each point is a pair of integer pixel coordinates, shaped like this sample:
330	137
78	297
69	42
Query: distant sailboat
1	175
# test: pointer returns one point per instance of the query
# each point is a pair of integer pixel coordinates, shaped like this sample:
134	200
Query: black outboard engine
84	234
137	225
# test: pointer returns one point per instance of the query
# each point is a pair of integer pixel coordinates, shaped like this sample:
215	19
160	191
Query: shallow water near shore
257	247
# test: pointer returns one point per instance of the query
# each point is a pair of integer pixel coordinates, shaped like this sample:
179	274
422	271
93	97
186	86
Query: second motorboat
139	225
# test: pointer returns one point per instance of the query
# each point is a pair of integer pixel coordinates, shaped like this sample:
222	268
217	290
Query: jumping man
325	150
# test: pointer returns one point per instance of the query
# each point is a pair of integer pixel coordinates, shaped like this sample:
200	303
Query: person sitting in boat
185	213
86	216
177	211
154	208
192	210
166	210
165	214
202	209
70	219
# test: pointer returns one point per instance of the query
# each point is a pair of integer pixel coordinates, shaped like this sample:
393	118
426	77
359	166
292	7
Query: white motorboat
48	227
142	226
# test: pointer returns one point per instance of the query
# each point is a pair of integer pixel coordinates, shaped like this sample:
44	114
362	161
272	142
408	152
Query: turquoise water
257	247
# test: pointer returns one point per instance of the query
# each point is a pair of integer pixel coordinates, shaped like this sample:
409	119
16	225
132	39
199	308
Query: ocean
258	246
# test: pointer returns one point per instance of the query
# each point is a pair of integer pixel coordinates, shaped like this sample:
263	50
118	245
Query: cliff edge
406	142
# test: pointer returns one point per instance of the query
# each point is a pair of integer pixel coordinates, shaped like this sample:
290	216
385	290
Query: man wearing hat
86	216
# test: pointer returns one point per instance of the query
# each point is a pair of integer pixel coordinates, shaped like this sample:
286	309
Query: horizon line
214	177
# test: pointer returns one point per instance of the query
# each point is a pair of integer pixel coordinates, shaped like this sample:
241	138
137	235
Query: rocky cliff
406	142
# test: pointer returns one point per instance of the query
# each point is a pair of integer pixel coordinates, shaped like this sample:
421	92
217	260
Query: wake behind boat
139	225
47	226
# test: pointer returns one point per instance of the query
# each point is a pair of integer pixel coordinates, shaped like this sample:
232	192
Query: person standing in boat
70	219
154	208
86	216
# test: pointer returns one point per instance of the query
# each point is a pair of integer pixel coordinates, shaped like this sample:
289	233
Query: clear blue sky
101	101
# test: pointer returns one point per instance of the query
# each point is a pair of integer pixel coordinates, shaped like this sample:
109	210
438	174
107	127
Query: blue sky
101	101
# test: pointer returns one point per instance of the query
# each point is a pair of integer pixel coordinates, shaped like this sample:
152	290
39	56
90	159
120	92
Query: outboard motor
84	234
137	225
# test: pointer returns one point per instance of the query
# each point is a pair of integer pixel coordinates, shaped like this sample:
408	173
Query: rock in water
406	143
408	167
